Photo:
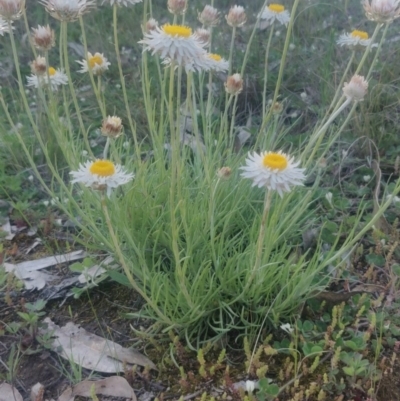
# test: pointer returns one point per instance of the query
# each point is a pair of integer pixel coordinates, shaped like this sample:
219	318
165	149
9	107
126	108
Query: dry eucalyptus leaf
9	393
91	351
114	386
34	279
37	392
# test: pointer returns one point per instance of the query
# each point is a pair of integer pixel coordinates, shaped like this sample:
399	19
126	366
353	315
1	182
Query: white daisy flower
101	175
121	3
274	171
354	38
97	63
68	10
174	42
3	27
383	11
55	78
215	62
275	12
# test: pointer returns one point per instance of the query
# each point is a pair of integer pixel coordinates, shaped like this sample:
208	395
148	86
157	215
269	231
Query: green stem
124	265
264	101
96	89
282	66
378	50
231	50
339	87
368	48
64	25
122	79
318	136
261	236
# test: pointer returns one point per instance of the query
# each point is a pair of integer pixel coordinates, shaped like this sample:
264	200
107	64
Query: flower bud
177	7
224	172
38	66
236	16
43	37
112	127
356	89
151	25
209	16
234	84
11	10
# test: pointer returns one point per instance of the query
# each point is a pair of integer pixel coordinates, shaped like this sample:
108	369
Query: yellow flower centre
103	168
359	34
96	59
177	30
275	161
276	8
52	71
215	57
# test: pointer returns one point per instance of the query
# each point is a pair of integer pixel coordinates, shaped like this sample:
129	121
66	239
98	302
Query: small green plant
27	329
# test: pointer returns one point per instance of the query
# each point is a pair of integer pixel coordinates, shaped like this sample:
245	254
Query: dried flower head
275	12
39	66
355	39
216	63
209	16
68	10
234	84
236	16
174	43
273	170
177	7
121	3
97	63
11	10
101	175
43	37
151	25
384	11
356	89
112	127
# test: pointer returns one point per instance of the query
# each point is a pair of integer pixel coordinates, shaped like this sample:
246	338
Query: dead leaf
91	351
9	393
28	271
6	228
37	392
114	386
